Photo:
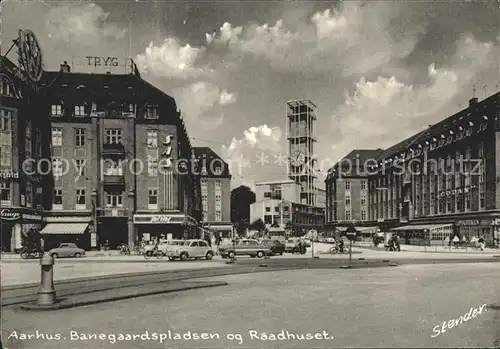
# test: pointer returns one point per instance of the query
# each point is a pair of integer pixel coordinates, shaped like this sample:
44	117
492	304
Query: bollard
47	292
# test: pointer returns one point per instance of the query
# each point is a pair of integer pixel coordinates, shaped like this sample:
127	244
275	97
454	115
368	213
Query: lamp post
94	214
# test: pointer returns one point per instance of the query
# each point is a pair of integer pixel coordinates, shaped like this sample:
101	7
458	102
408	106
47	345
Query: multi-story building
24	142
444	180
278	203
215	183
347	188
120	156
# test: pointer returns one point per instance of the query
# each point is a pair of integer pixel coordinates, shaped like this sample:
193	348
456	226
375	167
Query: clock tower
301	136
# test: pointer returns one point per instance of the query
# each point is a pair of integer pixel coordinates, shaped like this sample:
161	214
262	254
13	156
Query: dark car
277	247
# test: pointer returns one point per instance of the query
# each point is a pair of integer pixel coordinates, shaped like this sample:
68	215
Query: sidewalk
434	249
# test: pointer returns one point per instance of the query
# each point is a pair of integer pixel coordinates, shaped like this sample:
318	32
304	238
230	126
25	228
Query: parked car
292	245
330	240
277	247
245	247
162	246
66	250
194	248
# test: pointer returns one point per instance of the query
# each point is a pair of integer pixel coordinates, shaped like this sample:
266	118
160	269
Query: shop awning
219	227
64	228
423	227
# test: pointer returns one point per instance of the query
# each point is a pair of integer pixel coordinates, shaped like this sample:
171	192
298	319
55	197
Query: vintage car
245	247
277	247
194	248
292	245
162	246
66	250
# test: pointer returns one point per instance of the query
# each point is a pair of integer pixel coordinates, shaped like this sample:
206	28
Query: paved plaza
383	307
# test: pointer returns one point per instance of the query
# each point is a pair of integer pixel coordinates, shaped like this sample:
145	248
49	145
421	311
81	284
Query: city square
209	174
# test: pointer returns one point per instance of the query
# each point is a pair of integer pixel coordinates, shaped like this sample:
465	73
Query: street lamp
94	214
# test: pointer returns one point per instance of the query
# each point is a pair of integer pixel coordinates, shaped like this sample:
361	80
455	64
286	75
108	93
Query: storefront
68	229
487	228
220	229
171	226
14	223
424	234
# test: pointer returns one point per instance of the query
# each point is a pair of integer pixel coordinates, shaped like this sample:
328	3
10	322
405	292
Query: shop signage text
476	222
9	215
458	191
102	61
167	153
159	219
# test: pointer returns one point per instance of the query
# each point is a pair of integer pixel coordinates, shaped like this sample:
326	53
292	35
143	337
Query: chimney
472	101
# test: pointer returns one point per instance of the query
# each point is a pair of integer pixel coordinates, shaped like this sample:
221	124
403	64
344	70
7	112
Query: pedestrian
481	243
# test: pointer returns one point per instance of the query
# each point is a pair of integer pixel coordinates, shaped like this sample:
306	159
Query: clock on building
297	158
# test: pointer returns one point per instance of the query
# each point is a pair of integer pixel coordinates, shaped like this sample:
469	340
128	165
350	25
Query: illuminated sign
167	153
9	215
94	61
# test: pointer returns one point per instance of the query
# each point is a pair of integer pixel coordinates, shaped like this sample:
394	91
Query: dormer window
151	112
468	132
218	171
56	110
79	110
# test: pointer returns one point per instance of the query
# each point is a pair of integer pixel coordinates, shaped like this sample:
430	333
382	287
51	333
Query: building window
218	202
80	167
58	199
204	200
153	199
79	137
152	167
218	216
5	117
218	171
275	191
151	112
363	201
482	201
57	170
363	215
347	186
268	209
204	186
347	215
80	199
348	201
363	185
79	110
57	136
113	136
56	110
467	202
480	150
113	200
152	139
6	193
218	186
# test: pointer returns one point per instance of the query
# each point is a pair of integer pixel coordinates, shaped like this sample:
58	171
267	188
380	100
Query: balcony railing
113	149
113	179
111	212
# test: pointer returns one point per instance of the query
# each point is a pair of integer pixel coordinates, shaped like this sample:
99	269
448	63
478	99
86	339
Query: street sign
351	233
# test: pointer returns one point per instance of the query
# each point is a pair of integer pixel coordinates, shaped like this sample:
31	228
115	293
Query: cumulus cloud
226	98
363	117
354	38
241	154
85	23
171	59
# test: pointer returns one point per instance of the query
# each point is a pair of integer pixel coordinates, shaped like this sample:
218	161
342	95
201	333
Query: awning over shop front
64	228
430	227
226	227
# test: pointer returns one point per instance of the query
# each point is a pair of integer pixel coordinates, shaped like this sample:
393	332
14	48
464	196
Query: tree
241	199
258	225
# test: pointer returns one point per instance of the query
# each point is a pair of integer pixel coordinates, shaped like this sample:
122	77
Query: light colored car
292	245
163	246
245	247
330	240
66	250
194	248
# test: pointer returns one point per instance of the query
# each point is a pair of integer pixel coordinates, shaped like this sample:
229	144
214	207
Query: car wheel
230	254
260	254
78	255
54	255
184	256
281	253
209	256
170	258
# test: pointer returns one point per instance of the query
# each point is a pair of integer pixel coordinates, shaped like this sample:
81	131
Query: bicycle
336	249
30	254
154	253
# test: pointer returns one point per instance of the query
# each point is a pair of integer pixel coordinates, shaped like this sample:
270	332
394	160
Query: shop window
80	199
6	195
58	199
153	199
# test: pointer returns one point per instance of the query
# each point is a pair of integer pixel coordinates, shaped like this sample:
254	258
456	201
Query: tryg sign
102	61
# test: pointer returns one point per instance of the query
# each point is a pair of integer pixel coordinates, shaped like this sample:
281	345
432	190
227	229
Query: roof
355	157
212	160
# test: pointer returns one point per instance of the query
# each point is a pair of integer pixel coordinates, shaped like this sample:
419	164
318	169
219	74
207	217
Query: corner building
120	156
24	139
443	181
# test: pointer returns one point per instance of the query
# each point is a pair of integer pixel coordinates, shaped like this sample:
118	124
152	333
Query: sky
378	72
